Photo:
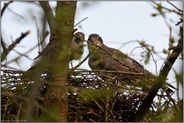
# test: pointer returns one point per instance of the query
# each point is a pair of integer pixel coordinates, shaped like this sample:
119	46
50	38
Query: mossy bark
56	101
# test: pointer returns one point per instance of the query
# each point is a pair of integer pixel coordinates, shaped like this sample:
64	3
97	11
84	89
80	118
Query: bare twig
4	54
161	78
4	7
181	20
43	32
80	21
175	6
167	8
18	40
108	71
154	63
17	14
2	12
38	33
134	49
24	54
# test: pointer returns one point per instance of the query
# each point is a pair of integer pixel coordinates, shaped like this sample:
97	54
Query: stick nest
91	97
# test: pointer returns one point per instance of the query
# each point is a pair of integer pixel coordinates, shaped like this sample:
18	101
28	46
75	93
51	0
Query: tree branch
161	78
5	53
48	13
174	6
158	5
108	71
2	12
80	21
4	7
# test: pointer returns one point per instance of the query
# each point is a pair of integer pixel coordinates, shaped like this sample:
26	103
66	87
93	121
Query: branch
80	21
5	53
109	71
167	8
18	40
2	12
48	13
4	8
161	78
175	6
5	50
24	54
181	20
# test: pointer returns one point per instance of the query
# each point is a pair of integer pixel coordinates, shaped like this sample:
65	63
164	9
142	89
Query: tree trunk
56	101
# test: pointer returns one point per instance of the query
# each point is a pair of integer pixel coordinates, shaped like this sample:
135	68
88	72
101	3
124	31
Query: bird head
95	39
79	37
77	46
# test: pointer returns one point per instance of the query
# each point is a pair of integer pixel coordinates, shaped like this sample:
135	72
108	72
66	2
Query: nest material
90	99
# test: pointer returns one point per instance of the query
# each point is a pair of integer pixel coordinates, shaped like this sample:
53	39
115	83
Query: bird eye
98	37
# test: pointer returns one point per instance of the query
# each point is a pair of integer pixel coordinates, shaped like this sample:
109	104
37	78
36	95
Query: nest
90	97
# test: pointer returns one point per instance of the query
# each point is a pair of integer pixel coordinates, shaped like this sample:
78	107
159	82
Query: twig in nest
108	71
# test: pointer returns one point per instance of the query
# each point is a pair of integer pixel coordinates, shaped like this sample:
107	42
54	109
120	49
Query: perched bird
106	58
109	59
76	51
77	46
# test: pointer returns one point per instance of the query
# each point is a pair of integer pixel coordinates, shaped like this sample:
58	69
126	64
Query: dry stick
175	6
160	79
181	20
150	54
2	12
166	8
80	21
4	54
4	8
38	33
18	40
108	71
20	55
153	60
